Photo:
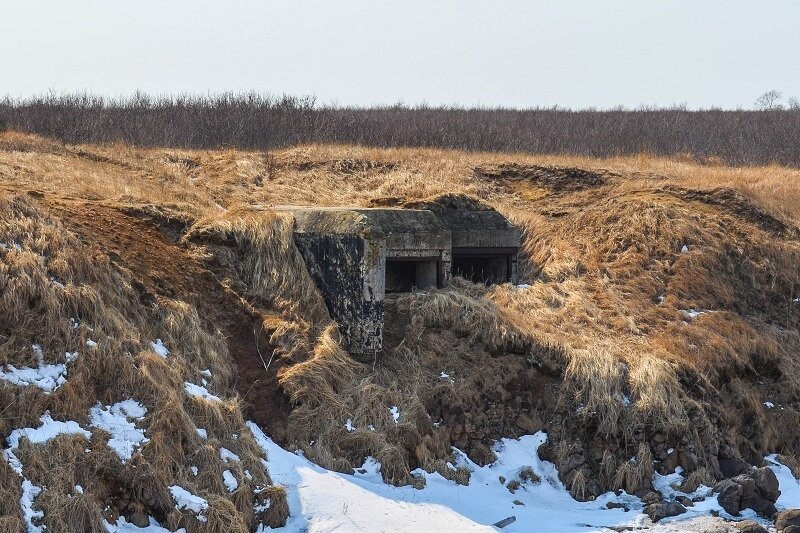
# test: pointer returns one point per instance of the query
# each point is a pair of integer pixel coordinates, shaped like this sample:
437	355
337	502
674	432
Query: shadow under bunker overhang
357	255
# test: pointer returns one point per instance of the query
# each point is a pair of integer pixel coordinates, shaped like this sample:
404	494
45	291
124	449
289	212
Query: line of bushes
254	121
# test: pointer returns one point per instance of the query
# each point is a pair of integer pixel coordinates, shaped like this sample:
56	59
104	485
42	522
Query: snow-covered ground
321	500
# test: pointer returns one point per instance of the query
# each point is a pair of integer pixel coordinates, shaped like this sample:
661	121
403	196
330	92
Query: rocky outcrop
756	490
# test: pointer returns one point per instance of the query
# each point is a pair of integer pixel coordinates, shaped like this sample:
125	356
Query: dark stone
742	492
529	424
658	511
671	462
505	522
767	484
481	453
733	467
789	517
686	502
573	461
730	495
651	497
748	483
616	505
139	519
791	529
688	461
758	504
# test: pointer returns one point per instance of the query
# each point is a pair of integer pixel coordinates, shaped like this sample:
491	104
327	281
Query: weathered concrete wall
348	271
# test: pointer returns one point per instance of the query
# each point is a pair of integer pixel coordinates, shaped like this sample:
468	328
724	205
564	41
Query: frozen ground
321	500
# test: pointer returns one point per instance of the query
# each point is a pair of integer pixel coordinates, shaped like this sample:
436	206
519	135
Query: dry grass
604	350
59	293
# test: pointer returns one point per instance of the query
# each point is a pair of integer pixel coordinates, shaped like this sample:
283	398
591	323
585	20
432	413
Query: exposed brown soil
556	179
148	245
731	201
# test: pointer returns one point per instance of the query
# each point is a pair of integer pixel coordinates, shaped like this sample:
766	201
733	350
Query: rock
683	500
481	453
658	511
791	529
748	526
789	517
529	424
767	484
688	461
756	490
651	497
730	495
748	483
758	504
616	505
733	467
671	462
139	519
573	461
505	522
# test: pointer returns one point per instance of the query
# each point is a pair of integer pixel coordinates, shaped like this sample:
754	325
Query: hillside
656	325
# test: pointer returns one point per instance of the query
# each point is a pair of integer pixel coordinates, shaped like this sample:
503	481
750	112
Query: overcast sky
575	53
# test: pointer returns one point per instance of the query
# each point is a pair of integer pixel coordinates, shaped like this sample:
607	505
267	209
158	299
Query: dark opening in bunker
489	266
405	274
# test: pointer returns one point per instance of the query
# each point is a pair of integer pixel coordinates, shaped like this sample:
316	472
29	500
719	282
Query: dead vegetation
59	294
661	314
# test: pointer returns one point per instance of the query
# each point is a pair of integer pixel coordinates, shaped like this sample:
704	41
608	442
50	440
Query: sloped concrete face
357	255
348	271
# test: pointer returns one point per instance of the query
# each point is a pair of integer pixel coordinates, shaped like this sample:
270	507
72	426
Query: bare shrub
253	121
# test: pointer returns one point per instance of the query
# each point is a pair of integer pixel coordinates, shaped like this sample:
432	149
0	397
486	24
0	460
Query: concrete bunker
356	256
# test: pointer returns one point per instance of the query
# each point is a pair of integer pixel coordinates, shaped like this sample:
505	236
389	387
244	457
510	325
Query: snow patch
230	481
199	392
48	430
349	425
46	377
202	432
29	493
226	455
684	249
90	343
693	313
159	348
395	413
186	500
117	420
769	405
